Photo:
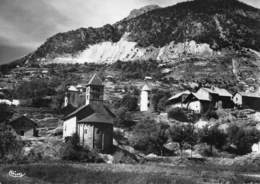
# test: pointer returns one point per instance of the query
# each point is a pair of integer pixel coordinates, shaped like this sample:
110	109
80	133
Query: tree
159	98
10	147
74	152
150	136
183	134
183	115
34	89
130	102
213	137
6	113
242	138
124	118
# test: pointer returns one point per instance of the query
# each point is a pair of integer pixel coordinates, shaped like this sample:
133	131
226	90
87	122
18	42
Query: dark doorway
22	133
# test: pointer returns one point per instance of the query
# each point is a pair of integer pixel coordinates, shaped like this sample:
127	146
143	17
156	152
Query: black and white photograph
129	91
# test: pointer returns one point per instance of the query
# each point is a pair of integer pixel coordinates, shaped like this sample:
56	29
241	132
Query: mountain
199	27
137	12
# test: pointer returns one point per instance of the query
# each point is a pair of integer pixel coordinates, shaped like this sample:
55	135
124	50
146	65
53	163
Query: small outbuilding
247	101
24	126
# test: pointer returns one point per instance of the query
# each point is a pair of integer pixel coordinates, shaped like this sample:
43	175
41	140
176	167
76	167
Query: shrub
72	151
183	134
32	89
242	138
159	99
150	137
6	113
183	115
130	102
124	118
10	146
213	137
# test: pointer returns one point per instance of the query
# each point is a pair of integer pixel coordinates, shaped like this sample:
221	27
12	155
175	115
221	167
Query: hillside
199	27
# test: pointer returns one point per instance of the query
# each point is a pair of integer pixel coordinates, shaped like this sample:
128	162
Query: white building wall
256	147
237	99
85	133
69	127
88	135
66	101
195	106
144	101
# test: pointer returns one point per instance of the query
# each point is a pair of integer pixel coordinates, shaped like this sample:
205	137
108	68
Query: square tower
94	90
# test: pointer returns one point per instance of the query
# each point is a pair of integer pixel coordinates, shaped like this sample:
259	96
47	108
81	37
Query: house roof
22	121
146	88
201	96
187	92
222	92
218	91
253	95
97	118
72	88
87	110
95	80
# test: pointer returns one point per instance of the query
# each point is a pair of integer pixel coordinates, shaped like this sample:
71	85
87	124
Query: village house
220	97
201	100
24	126
177	101
92	122
247	101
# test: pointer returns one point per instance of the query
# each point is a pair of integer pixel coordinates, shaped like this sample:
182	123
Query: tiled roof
88	110
95	80
254	95
201	96
187	92
218	91
222	92
146	88
97	118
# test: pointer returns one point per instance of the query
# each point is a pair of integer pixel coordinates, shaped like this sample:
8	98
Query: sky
26	24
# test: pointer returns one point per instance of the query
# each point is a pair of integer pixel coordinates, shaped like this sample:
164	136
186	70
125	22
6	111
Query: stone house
201	100
247	101
24	126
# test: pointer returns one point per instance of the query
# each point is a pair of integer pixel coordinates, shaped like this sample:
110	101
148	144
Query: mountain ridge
218	23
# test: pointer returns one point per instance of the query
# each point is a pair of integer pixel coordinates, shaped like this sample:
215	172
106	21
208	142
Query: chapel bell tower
94	91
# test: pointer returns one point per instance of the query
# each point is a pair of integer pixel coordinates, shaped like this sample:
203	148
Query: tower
94	90
145	98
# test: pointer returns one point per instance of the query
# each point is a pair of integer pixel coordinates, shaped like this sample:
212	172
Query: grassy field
69	173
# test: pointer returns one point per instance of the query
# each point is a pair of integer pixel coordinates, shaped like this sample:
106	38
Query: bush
159	99
124	118
10	146
130	102
32	89
6	113
150	137
213	137
242	138
183	134
72	151
183	115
